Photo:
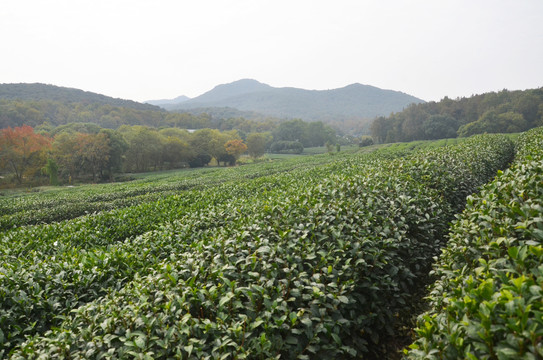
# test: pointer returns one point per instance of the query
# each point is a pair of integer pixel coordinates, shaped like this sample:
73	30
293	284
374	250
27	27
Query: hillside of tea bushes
323	256
488	300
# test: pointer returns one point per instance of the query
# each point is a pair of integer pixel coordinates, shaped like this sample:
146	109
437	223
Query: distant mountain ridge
350	108
355	101
162	102
38	91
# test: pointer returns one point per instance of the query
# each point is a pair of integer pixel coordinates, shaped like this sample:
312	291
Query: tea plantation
488	300
324	256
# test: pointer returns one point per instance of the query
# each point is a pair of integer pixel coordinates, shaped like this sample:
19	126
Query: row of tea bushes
321	263
488	301
58	205
49	270
53	268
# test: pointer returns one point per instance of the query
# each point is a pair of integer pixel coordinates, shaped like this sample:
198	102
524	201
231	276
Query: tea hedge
488	301
321	262
58	205
38	258
86	256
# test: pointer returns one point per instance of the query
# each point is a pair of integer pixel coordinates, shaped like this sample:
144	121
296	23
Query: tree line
86	152
494	112
50	113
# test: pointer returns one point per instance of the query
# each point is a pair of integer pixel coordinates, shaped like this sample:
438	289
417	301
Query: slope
39	91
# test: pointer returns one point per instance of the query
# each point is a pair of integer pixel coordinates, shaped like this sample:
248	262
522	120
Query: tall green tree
94	151
439	127
144	148
176	152
118	147
293	130
318	134
51	169
256	144
66	155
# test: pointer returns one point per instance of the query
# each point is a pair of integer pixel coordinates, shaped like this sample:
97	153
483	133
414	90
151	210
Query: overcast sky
154	49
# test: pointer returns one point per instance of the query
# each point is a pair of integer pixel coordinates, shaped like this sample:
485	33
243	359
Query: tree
365	141
144	147
411	128
118	147
256	144
51	169
493	122
199	142
318	134
211	142
93	151
66	155
235	148
439	127
181	134
176	152
379	129
21	151
293	130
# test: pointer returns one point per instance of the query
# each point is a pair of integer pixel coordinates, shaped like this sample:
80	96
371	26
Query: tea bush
487	303
315	261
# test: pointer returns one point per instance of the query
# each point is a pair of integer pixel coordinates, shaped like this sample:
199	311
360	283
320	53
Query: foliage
22	151
256	144
487	303
287	147
365	141
43	92
312	260
235	148
62	204
491	122
308	134
501	112
51	169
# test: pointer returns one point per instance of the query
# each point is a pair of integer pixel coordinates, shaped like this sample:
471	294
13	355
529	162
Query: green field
299	257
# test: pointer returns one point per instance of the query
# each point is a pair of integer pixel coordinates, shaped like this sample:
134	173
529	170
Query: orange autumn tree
22	152
235	148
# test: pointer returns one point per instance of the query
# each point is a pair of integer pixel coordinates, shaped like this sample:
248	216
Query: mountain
235	89
355	101
65	95
164	102
51	106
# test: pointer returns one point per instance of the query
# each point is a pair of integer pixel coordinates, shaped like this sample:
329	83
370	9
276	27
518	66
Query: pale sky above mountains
143	49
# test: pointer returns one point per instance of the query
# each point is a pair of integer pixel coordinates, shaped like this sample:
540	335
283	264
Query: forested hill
493	112
46	106
355	101
40	92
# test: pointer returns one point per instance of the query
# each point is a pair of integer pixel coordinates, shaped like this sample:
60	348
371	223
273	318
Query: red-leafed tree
22	152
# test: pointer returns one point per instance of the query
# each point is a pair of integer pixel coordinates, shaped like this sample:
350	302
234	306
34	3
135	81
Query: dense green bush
316	261
487	303
287	147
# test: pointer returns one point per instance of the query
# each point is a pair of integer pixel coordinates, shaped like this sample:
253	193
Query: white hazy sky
153	49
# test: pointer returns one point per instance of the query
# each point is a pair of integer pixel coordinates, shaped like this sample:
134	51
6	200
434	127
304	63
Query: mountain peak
354	101
236	88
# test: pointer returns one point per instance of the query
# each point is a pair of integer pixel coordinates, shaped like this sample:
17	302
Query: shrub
487	302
